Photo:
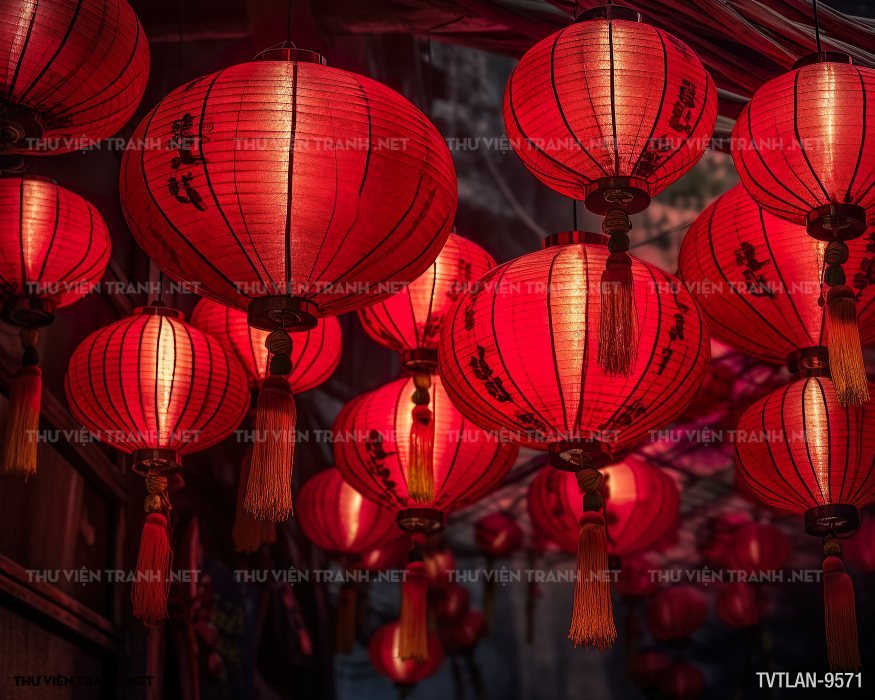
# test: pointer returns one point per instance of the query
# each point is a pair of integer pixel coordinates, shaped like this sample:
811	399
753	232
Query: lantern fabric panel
801	142
641	506
383	650
315	353
676	612
337	518
498	535
411	319
609	98
152	382
371	451
519	351
298	179
54	245
737	605
759	547
799	449
758	278
81	67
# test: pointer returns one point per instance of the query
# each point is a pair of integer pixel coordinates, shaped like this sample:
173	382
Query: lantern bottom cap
270	313
835	518
420	360
809	362
574	455
425	520
162	461
630	194
18	124
27	312
842	222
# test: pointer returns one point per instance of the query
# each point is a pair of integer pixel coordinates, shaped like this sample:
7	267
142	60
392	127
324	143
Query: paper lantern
383	652
676	613
809	455
637	577
292	191
465	633
452	604
156	387
610	110
390	555
439	565
641	506
410	321
759	280
337	518
682	681
758	548
74	72
315	353
737	605
498	535
54	247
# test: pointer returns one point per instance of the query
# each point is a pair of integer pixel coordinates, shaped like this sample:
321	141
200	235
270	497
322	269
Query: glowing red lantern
758	548
465	633
74	71
452	604
860	550
294	191
759	280
383	651
682	682
410	321
390	555
719	534
810	455
676	612
636	579
641	506
498	535
315	353
54	247
153	386
439	563
737	605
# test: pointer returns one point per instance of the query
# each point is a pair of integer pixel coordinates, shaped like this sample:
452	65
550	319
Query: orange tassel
22	419
249	534
344	639
846	363
840	614
617	346
269	488
592	618
152	580
413	637
420	455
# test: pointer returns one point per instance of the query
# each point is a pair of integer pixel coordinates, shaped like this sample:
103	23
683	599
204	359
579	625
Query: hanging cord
574	214
816	24
289	22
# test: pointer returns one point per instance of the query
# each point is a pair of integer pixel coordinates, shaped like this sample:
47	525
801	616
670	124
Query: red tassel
249	534
152	580
420	455
22	419
846	363
617	347
269	488
413	637
592	618
344	639
840	614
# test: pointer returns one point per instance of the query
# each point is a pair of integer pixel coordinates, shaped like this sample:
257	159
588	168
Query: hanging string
574	214
816	24
183	6
289	23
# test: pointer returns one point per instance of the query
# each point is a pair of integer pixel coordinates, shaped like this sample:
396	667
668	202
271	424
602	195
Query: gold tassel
617	345
846	363
840	616
413	636
22	420
420	456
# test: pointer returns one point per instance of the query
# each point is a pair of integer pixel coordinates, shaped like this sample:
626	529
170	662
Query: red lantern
737	605
390	555
74	72
636	579
610	106
759	548
465	633
810	455
719	534
280	187
682	682
439	563
676	612
383	650
452	604
337	518
759	280
641	506
156	387
315	353
410	321
860	550
498	535
647	668
54	247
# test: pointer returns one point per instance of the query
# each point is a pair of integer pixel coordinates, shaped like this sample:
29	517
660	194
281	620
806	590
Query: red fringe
152	581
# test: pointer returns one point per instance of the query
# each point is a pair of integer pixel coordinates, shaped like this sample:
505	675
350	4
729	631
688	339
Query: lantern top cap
29	176
156	310
610	12
574	237
291	53
823	57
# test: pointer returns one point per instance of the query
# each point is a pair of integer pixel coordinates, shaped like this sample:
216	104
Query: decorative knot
590	480
831	546
156	493
420	396
279	345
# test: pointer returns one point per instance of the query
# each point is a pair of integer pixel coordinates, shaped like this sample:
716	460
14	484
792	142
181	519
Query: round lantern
383	651
452	604
498	535
54	247
676	613
610	110
737	605
75	71
315	353
641	506
386	556
410	321
758	548
801	451
636	579
759	281
153	386
439	563
682	681
464	634
719	533
292	191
